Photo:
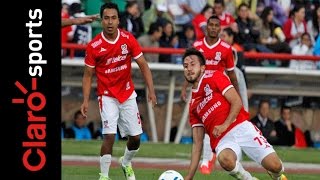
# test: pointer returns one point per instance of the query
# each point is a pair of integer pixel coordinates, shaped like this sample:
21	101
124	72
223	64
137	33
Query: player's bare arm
146	72
235	101
78	21
233	79
198	135
86	87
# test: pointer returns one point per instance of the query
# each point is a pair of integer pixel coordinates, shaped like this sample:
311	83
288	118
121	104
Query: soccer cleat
212	162
283	177
207	169
204	169
102	177
127	170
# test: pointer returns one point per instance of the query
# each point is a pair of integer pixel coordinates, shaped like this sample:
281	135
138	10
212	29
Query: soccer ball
170	175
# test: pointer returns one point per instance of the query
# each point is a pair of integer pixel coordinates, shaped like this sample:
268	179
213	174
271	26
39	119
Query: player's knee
276	166
133	142
226	161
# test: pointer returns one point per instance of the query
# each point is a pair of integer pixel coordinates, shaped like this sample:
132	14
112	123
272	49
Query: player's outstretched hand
85	20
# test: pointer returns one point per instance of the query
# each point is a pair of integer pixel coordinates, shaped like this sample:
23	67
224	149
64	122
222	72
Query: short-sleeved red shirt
209	107
112	63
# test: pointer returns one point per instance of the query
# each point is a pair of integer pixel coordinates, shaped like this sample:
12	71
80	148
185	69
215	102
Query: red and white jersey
209	107
112	63
226	19
218	56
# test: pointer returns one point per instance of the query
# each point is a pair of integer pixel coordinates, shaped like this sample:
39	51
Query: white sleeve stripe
89	65
198	125
202	24
230	69
139	55
226	89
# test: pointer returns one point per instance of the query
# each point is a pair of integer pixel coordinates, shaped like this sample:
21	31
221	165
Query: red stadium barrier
252	55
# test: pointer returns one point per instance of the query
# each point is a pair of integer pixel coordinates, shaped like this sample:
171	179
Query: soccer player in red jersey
216	109
109	56
218	55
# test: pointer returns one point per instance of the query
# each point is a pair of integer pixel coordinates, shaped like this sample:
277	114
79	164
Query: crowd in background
271	26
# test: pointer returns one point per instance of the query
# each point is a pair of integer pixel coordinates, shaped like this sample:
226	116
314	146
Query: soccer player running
109	56
218	55
216	109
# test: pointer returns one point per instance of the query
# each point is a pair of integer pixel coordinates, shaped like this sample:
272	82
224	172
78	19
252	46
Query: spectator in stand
130	19
199	22
271	34
305	47
226	19
151	40
158	12
181	14
279	13
188	37
248	34
295	26
167	41
285	128
227	35
264	123
80	129
313	25
81	33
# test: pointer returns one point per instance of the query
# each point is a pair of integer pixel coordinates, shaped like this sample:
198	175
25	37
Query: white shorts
126	116
246	137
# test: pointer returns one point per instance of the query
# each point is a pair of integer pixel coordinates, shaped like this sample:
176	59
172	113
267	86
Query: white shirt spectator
302	49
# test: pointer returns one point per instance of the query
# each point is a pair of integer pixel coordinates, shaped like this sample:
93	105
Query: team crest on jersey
207	89
218	56
102	50
105	124
124	49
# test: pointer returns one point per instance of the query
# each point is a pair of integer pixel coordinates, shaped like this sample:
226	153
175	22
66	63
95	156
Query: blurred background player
109	56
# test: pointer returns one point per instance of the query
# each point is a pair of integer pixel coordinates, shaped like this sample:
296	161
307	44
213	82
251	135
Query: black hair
264	15
205	8
284	107
295	9
109	5
262	102
229	31
194	51
219	2
213	17
154	27
130	4
76	114
243	4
